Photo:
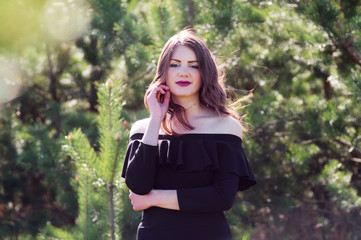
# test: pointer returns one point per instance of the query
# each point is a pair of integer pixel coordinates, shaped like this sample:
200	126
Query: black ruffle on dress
207	170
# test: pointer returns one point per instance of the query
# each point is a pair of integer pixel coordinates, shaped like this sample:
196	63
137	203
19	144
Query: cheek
166	81
197	76
171	71
169	76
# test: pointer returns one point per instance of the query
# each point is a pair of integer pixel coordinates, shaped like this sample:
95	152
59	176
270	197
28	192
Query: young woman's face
183	76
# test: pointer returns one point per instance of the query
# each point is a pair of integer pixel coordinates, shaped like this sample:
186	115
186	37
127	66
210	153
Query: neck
191	105
194	104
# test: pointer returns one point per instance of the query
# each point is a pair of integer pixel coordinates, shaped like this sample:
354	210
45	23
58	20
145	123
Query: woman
185	163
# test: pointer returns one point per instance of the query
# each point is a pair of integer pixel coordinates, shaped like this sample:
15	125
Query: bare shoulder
229	125
139	126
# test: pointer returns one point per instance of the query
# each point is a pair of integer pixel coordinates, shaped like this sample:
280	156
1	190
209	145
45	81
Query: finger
156	91
131	194
164	87
159	89
166	97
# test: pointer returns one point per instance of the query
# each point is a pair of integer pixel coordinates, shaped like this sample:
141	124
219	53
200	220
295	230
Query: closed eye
194	66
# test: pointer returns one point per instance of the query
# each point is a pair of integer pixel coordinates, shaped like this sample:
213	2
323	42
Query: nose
183	71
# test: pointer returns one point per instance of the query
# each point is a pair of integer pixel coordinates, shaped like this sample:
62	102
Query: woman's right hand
157	109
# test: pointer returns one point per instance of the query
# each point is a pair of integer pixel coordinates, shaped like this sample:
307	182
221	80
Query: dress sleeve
140	166
217	197
232	173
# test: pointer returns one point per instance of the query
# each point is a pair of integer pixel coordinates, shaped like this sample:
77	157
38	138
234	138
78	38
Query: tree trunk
95	76
111	205
52	77
53	89
327	88
86	208
190	13
161	16
348	47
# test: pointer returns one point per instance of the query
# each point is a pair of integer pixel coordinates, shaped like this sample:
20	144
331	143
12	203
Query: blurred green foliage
301	59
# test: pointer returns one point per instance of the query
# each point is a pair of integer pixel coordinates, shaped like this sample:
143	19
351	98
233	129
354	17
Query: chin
184	94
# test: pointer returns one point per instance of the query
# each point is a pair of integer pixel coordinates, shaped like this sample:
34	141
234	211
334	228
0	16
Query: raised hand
158	109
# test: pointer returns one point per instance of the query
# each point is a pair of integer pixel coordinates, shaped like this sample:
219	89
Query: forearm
165	199
156	198
217	197
151	133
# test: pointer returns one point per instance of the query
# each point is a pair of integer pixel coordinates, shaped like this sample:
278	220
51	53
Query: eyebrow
193	61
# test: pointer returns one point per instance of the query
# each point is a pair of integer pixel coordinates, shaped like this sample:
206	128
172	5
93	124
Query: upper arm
233	126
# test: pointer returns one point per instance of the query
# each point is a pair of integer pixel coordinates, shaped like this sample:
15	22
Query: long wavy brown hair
212	93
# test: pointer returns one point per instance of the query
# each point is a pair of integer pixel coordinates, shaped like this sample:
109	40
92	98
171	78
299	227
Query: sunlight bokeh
18	23
66	19
10	80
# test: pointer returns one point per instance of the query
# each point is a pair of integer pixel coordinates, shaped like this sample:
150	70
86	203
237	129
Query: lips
183	83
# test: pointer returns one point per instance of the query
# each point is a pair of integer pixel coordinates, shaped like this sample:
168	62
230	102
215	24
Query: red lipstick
183	83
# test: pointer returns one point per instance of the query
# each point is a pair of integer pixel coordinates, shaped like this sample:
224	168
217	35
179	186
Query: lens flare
9	80
67	19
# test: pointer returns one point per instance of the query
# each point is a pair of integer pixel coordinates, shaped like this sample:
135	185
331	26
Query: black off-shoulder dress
207	170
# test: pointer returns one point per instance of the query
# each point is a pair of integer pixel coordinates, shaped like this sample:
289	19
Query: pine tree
101	167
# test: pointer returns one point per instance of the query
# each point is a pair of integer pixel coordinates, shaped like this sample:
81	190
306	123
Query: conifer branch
109	109
352	149
115	162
